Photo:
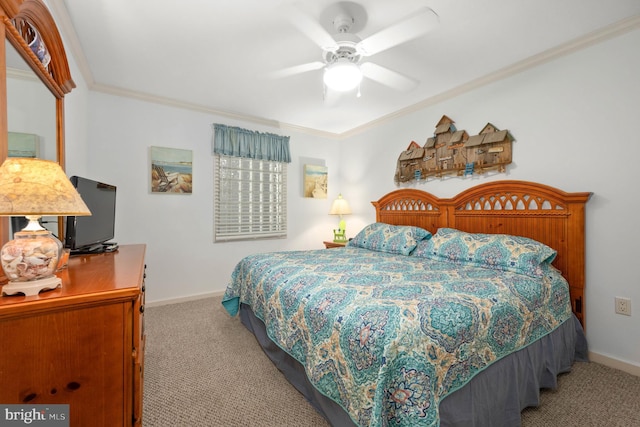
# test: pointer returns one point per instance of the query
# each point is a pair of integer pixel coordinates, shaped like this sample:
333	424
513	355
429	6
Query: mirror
31	122
36	82
31	110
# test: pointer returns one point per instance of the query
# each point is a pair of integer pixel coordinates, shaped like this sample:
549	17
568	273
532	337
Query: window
250	183
250	198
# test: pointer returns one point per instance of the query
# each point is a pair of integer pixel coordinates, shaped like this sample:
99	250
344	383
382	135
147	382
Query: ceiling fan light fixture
342	75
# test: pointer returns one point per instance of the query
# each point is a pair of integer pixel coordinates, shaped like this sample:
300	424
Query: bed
445	311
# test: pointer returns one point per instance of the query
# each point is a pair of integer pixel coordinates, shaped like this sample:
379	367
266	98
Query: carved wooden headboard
519	208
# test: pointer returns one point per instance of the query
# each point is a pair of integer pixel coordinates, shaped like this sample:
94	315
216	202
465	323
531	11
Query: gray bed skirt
493	398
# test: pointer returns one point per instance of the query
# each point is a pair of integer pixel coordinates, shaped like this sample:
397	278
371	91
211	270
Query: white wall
182	259
576	124
76	106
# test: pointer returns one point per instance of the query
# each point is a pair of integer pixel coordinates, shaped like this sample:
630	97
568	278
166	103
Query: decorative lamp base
339	236
32	287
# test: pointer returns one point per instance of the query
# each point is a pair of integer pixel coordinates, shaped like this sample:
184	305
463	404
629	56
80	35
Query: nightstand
330	245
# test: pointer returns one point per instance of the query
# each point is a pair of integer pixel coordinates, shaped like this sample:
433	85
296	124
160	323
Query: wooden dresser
82	344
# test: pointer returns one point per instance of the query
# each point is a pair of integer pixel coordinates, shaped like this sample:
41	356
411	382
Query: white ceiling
216	55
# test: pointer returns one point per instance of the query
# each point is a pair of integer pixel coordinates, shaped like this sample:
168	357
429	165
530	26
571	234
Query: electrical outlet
623	306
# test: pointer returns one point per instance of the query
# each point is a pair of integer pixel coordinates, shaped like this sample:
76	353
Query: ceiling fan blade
296	69
310	27
388	77
416	25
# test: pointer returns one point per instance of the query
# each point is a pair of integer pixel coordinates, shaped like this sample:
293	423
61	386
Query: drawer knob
73	386
29	397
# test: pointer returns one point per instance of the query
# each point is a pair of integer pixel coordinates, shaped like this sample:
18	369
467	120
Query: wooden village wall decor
451	151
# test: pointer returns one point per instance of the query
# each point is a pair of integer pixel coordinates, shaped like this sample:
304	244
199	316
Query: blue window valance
238	142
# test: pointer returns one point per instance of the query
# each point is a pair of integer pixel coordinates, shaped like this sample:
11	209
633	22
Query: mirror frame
16	15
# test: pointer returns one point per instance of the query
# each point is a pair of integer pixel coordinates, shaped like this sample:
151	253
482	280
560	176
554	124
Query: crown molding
19	74
112	90
66	27
549	55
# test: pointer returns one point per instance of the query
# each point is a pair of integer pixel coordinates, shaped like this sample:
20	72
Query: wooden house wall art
451	151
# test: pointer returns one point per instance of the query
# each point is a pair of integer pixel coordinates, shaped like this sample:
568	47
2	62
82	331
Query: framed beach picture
315	181
171	170
23	145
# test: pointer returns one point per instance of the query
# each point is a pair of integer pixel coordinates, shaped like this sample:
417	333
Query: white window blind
250	198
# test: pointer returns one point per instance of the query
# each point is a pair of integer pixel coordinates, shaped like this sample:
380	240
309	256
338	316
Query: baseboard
183	299
615	363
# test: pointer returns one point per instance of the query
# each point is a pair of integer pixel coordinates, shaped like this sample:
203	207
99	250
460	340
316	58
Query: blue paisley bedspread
387	336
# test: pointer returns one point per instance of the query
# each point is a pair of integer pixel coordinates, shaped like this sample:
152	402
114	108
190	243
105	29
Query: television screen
88	233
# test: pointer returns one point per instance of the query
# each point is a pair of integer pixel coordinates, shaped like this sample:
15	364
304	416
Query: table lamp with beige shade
33	188
340	207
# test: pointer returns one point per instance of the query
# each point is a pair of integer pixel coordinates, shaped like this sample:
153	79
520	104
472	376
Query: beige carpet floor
203	368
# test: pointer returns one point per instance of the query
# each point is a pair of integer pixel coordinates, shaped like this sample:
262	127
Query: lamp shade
37	187
33	188
342	75
340	207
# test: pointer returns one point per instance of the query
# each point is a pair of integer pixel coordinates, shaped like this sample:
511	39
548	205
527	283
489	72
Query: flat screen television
89	234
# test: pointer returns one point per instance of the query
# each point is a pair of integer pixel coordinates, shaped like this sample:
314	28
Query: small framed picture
171	170
23	145
315	181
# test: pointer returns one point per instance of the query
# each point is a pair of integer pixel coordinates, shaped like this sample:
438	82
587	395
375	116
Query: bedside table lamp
340	207
33	188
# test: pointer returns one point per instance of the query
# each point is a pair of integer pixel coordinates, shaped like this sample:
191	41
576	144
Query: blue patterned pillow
423	249
395	239
497	251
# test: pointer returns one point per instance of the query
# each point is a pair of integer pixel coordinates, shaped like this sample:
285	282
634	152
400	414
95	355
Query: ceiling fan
343	52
